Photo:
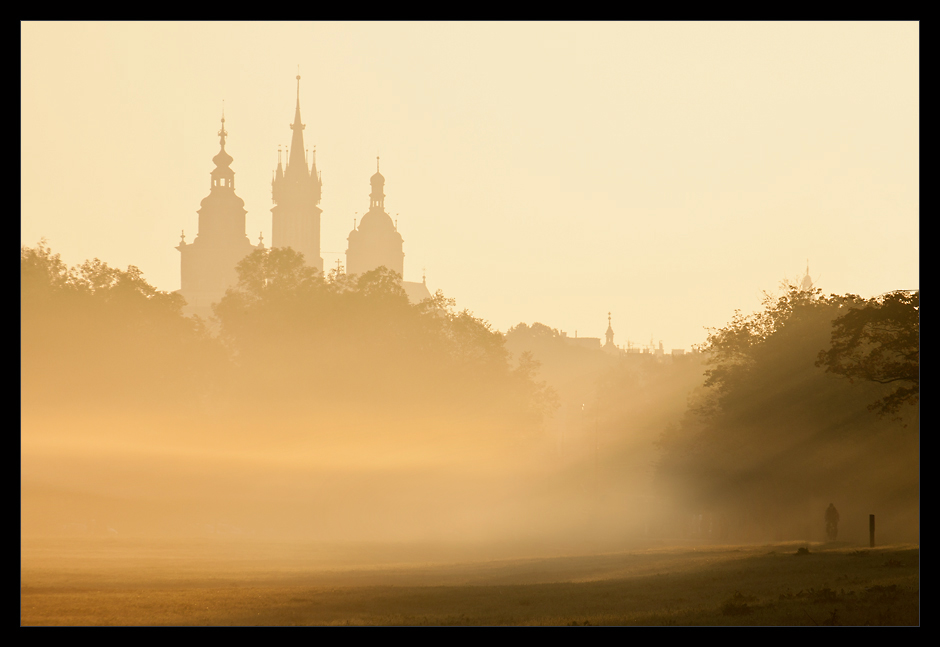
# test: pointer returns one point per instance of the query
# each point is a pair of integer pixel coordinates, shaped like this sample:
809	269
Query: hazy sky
552	172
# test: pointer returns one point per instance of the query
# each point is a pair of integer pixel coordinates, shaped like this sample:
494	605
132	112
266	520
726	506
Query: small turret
378	189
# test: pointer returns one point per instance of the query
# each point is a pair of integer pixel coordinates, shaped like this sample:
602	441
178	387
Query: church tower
807	284
296	194
376	241
207	265
609	346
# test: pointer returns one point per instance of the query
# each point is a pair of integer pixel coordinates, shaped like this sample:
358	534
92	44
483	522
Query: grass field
109	581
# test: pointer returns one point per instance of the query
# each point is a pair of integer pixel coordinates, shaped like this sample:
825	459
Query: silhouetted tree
99	336
770	428
357	338
880	342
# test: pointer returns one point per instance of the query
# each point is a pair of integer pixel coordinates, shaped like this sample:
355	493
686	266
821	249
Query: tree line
286	337
814	399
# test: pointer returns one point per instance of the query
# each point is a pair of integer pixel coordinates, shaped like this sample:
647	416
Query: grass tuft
737	605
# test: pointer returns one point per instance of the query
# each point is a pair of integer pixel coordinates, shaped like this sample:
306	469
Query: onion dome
223	159
378	178
222	175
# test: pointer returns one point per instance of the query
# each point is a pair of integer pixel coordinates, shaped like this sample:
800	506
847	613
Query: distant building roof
417	292
593	343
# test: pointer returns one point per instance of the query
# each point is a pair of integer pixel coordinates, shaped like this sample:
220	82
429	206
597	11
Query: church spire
222	175
207	265
807	283
295	160
296	194
222	135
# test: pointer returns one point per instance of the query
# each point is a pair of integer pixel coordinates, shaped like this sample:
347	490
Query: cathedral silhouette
207	265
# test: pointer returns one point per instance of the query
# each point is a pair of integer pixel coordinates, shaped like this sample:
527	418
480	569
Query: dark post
871	530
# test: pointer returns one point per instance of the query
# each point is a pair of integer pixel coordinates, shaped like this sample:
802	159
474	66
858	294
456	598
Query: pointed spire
316	183
296	188
297	109
222	132
222	175
295	161
277	181
807	282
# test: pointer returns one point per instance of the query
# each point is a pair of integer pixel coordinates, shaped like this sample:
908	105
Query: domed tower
296	194
609	346
207	265
376	241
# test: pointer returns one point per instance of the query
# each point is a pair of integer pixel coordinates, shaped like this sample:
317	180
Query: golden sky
665	172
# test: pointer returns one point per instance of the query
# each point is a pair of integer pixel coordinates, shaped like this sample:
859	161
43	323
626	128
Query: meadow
239	582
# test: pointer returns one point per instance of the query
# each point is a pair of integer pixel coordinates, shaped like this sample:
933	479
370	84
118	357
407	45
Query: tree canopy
771	430
879	341
102	336
357	338
286	334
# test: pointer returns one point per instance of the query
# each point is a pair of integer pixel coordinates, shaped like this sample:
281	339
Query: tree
754	354
96	335
41	271
296	336
880	342
271	273
771	430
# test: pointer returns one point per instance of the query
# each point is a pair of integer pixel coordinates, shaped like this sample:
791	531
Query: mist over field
237	410
140	421
447	436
